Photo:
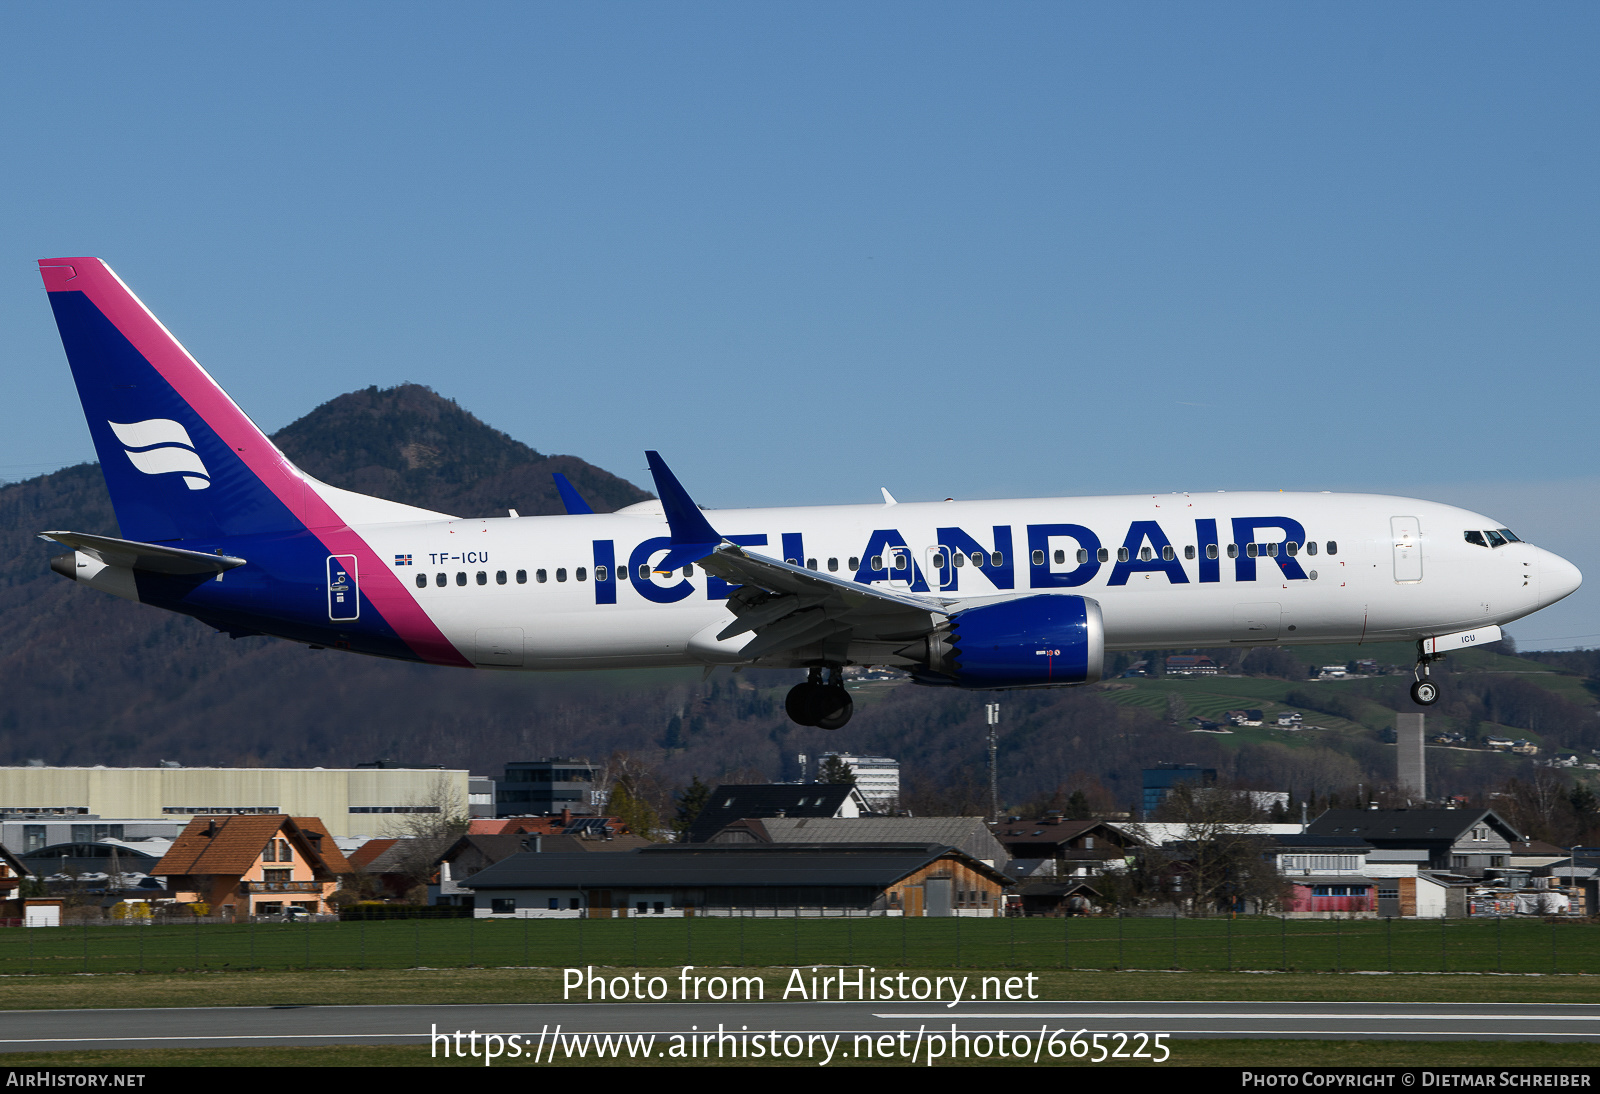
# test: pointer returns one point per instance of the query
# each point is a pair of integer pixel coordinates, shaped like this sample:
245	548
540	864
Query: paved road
196	1027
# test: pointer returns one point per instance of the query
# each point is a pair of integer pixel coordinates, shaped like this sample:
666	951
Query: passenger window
422	581
901	561
622	573
790	561
1476	537
811	564
1292	547
833	565
1061	557
1083	556
561	573
960	560
1272	549
1333	546
1188	552
877	562
998	558
1233	550
1496	539
499	577
1144	554
1211	550
1103	555
644	572
582	573
1168	554
1250	550
938	561
1122	554
522	577
483	578
602	573
1311	547
855	562
541	576
688	571
461	577
440	580
1038	558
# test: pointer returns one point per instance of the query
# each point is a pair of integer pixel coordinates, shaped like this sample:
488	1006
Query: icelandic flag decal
402	560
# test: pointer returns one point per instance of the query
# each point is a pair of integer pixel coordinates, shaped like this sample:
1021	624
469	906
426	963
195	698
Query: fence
1320	945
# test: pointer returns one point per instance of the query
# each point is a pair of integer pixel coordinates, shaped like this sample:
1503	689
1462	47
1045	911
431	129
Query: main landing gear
1424	692
821	702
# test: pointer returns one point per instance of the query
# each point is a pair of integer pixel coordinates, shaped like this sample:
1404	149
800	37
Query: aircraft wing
790	606
787	606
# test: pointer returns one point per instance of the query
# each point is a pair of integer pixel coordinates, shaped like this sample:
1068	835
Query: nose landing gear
820	702
1424	692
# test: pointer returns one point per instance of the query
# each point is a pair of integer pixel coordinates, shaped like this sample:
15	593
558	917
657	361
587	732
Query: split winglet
693	538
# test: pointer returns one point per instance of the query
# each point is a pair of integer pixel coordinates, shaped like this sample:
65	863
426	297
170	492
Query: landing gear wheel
838	706
803	704
1425	693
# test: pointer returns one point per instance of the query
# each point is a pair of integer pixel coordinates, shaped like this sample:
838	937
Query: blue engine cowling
1048	640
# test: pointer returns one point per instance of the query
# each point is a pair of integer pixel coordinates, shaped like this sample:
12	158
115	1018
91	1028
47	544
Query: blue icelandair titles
216	523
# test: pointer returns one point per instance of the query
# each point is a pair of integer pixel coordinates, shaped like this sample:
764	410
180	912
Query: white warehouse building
358	801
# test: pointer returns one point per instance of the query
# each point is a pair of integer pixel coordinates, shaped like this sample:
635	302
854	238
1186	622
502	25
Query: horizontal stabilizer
149	557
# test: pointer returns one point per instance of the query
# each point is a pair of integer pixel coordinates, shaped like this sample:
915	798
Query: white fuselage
1397	568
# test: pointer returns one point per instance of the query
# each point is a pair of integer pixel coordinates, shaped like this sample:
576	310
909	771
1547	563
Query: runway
197	1027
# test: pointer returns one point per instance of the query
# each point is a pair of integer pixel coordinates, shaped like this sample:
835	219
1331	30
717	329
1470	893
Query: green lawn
1245	943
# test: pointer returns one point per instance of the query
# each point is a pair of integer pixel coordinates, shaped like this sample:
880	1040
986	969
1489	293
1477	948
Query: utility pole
992	714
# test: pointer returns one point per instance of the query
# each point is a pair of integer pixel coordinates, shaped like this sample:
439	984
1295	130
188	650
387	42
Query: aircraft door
940	570
1407	548
902	567
344	593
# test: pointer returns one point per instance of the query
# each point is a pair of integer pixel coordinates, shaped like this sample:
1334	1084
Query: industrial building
363	801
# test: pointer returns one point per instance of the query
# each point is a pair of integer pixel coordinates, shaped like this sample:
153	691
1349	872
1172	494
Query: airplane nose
1558	578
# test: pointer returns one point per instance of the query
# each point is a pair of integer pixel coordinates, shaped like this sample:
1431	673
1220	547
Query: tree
1078	807
1218	860
632	811
837	772
633	794
690	803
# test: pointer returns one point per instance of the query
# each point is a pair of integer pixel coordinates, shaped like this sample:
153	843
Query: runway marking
1084	1016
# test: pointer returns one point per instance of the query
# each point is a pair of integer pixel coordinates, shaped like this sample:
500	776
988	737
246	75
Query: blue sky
806	250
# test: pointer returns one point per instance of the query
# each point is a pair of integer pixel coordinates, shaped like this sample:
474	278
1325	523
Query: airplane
216	523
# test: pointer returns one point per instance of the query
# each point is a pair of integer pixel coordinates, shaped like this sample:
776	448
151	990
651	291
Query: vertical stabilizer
181	460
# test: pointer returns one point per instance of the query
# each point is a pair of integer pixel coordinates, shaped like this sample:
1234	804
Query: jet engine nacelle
1048	640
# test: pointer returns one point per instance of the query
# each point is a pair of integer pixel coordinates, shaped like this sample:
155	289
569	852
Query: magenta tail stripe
387	593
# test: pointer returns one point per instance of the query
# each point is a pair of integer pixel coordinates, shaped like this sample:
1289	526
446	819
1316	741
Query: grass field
1245	943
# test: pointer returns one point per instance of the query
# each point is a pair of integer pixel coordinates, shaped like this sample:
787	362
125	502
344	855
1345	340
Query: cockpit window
1476	537
1509	537
1496	539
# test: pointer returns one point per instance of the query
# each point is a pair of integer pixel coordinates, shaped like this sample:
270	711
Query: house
12	873
1059	848
729	803
742	879
1184	664
1468	842
472	854
1327	875
970	834
249	865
